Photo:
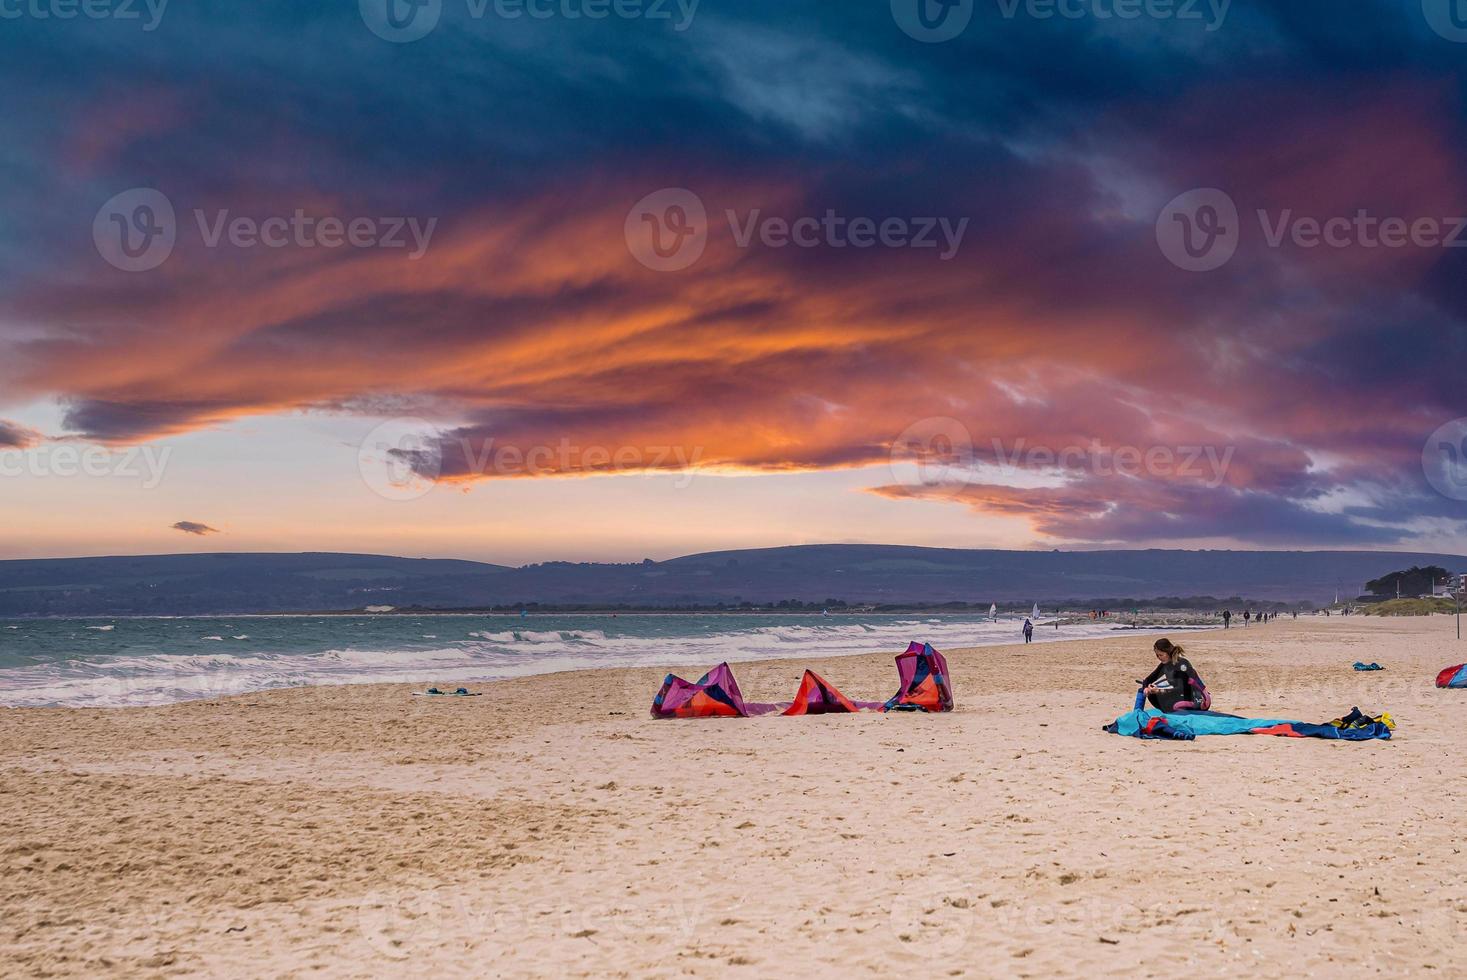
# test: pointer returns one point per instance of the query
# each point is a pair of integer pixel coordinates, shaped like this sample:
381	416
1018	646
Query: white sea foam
127	679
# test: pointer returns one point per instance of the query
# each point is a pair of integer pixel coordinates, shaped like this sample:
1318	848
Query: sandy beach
552	828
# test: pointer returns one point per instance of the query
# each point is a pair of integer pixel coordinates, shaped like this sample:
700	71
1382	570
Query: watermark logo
137	10
1444	460
400	21
1199	231
1448	18
404	458
145	464
1212	12
935	455
667	230
404	21
933	919
398	926
1362	230
302	230
135	231
932	21
832	230
937	458
401	459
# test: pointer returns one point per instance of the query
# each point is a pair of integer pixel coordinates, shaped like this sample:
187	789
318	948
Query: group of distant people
1249	617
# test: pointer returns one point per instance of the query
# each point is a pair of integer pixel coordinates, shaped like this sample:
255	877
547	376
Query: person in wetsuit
1174	684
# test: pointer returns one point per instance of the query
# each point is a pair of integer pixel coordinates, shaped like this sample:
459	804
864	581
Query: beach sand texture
552	828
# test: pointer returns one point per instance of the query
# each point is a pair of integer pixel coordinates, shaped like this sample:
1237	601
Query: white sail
1036	611
993	612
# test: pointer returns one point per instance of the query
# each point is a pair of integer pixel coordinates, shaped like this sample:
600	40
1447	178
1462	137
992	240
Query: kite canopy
816	696
925	685
1453	677
716	694
1150	723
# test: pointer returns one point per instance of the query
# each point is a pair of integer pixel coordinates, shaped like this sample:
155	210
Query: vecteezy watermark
137	230
146	464
936	454
1205	465
1447	17
1211	13
148	12
1444	460
939	456
831	230
933	21
667	230
403	459
1201	230
402	21
410	924
934	916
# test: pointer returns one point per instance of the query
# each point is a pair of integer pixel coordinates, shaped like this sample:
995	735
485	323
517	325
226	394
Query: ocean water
146	661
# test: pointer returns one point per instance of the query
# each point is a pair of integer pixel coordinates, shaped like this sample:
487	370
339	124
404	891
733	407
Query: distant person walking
1028	631
1247	616
1227	619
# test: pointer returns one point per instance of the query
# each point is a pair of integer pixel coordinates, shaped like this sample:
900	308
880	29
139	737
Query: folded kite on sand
924	687
1185	726
1453	677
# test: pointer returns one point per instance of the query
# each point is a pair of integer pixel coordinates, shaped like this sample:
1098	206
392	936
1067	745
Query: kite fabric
714	695
1455	677
924	687
1185	726
817	696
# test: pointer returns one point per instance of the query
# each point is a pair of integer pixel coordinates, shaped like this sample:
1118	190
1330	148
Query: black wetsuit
1181	677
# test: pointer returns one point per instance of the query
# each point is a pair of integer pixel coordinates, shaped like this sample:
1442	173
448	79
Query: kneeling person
1174	684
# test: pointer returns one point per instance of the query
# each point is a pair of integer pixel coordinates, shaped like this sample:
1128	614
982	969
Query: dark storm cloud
1058	320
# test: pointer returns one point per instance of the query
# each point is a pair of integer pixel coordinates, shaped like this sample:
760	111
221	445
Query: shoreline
410	613
209	670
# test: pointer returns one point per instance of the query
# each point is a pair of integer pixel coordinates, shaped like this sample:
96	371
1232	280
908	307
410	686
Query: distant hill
881	574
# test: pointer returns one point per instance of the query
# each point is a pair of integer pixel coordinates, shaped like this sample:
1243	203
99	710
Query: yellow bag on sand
1359	719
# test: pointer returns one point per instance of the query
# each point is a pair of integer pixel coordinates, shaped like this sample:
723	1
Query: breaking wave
162	661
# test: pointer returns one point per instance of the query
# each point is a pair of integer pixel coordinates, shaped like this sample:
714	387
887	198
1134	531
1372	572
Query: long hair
1172	650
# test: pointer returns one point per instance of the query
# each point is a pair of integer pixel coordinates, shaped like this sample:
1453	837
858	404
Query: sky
523	280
